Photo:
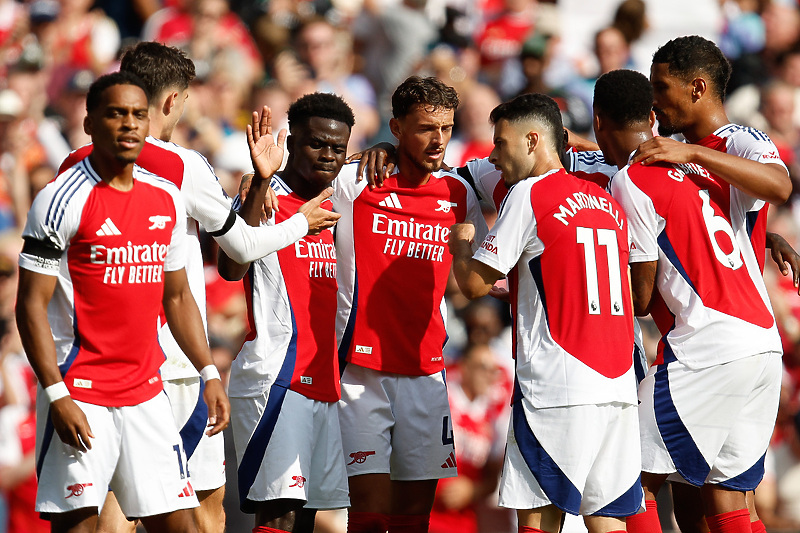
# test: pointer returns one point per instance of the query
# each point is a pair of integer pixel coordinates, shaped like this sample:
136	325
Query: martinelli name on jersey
580	200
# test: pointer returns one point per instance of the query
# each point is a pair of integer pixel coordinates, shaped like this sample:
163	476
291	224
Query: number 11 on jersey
608	239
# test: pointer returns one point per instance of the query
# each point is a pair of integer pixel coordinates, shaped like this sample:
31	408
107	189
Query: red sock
646	522
732	522
409	523
758	527
358	522
265	529
526	529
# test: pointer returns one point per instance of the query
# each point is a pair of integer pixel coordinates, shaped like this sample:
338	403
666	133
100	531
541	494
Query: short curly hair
95	95
323	105
429	92
624	96
689	56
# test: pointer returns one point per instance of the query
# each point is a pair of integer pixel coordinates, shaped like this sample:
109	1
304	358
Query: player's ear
533	140
394	126
169	103
87	125
597	122
290	143
699	88
652	119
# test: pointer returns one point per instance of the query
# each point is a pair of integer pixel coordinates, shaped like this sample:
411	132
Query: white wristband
210	372
56	391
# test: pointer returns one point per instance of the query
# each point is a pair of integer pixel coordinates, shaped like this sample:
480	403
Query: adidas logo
108	229
451	461
187	491
391	201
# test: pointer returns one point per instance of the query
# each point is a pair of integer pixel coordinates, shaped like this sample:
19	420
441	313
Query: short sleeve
513	233
643	220
52	222
178	247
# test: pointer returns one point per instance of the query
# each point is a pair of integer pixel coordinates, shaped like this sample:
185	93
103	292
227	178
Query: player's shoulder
187	155
143	175
739	132
454	181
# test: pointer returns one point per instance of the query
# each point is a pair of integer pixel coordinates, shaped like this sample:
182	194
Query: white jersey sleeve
644	223
484	177
179	242
207	203
513	233
53	220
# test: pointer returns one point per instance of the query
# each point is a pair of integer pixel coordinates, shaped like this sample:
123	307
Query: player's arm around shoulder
760	179
250	212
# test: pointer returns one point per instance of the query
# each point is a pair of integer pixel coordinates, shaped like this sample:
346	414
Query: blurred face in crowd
423	135
611	49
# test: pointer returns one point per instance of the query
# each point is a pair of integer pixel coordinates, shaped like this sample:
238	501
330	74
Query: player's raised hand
219	409
319	218
664	149
376	163
266	154
71	424
785	257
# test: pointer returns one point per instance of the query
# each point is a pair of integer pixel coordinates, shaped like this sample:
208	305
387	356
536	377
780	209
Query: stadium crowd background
249	53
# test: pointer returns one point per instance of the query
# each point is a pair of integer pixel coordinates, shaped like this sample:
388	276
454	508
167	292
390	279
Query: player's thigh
112	519
152	476
422	439
366	419
687	503
179	521
70	479
209	516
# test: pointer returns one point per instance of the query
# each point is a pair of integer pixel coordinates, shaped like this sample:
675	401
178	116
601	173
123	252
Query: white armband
56	391
210	372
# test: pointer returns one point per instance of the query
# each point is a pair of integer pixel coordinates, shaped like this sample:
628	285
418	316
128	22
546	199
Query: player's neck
157	123
410	172
113	172
546	162
707	123
299	185
625	142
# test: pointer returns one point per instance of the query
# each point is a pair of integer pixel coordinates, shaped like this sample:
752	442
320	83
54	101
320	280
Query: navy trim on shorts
747	480
686	456
253	456
47	437
555	484
627	504
192	431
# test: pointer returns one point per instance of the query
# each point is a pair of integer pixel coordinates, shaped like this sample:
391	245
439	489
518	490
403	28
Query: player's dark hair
429	92
624	96
96	89
537	107
689	56
323	105
161	67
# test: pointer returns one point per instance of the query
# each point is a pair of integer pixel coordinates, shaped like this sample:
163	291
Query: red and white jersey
206	203
753	144
589	166
291	311
109	249
713	306
391	245
564	244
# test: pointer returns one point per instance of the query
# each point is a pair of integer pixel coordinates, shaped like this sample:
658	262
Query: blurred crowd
250	53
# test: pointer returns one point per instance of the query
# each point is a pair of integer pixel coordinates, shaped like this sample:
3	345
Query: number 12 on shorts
606	238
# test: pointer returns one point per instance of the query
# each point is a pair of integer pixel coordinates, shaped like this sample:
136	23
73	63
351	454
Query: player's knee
210	515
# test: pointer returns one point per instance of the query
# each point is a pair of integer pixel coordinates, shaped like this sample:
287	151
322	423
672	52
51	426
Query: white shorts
206	454
711	425
136	452
288	446
584	459
396	424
